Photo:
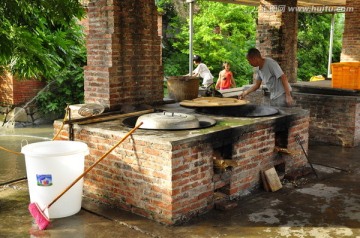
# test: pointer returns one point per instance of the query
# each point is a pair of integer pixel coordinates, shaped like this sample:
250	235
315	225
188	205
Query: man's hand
289	100
242	95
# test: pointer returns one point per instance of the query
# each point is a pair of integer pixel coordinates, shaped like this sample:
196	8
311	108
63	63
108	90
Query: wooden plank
231	92
273	179
286	151
264	181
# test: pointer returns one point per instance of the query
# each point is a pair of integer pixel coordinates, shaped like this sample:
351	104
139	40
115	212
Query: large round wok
228	107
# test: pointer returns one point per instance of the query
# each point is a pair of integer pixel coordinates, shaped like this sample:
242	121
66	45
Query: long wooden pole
92	166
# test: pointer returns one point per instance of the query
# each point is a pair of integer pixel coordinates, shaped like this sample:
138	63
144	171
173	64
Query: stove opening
223	159
223	166
281	139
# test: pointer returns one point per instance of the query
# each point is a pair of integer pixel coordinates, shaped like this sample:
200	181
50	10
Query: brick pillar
14	92
160	32
6	89
123	53
277	34
351	39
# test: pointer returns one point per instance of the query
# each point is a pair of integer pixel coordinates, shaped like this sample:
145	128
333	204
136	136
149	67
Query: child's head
226	65
197	59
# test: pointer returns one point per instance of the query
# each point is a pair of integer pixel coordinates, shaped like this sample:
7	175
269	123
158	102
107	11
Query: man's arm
285	83
253	88
196	71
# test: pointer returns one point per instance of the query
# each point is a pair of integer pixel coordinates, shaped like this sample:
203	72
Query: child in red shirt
226	79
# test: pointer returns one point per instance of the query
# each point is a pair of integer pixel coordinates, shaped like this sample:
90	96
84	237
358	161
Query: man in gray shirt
269	73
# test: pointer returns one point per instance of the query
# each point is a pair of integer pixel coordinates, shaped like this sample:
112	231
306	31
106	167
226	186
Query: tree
41	39
222	32
313	43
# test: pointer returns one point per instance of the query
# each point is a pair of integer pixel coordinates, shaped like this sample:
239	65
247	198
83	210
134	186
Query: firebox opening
281	139
224	190
223	159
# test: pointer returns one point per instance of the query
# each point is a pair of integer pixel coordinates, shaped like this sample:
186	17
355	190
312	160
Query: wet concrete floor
328	206
12	166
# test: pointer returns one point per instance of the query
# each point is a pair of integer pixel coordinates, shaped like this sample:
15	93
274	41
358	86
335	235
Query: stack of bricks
123	50
6	90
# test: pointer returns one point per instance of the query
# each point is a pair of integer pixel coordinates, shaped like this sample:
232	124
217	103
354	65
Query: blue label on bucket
44	179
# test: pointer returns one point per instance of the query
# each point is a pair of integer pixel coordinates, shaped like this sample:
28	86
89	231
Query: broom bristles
41	219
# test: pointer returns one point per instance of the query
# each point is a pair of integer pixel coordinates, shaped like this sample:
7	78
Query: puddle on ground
12	166
321	190
268	216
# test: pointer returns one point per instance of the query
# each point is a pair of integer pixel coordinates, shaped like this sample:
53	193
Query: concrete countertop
322	87
115	127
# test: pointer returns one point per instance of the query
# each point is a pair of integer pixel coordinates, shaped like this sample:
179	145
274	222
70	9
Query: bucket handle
14	152
23	141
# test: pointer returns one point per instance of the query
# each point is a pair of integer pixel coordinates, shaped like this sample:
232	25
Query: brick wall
123	47
254	151
351	37
17	92
333	119
170	178
25	90
277	34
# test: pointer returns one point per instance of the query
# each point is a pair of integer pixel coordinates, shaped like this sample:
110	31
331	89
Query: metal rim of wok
248	110
204	122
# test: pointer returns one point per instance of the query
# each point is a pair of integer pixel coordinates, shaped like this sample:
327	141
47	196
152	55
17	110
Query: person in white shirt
269	73
202	71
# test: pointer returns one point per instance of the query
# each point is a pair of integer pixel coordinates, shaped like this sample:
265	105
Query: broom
38	214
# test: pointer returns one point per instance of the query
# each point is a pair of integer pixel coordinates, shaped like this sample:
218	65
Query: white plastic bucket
51	166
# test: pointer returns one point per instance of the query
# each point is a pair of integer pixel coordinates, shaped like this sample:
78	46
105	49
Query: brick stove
169	176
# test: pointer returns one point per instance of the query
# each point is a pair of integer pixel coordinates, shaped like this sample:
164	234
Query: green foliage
42	40
230	44
67	87
161	5
314	41
237	34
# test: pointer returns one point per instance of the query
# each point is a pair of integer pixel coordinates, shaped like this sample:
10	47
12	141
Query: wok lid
169	121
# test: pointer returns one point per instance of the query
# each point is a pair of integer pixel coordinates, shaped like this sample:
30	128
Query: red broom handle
92	166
